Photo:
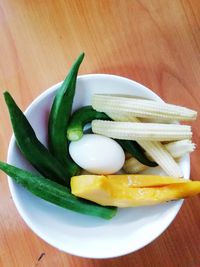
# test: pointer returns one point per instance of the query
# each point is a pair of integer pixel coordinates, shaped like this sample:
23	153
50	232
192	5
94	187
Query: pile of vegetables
120	118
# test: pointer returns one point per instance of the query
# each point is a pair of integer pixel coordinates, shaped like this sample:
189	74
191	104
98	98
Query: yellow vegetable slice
139	180
106	192
127	180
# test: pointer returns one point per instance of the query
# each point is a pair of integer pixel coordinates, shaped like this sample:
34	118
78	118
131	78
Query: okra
32	149
59	118
55	193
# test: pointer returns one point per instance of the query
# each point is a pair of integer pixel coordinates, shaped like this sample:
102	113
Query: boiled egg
97	154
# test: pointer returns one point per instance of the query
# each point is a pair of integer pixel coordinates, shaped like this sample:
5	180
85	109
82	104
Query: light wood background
155	42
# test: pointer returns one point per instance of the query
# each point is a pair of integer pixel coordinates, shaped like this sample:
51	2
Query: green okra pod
32	149
55	193
59	118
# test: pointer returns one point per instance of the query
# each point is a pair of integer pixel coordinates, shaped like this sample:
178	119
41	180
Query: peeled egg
97	154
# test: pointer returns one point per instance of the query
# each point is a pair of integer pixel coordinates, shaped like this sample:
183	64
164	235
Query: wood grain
155	42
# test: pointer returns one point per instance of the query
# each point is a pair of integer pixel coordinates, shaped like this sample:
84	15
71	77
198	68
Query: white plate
77	234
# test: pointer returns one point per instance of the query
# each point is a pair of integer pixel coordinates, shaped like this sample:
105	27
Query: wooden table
153	42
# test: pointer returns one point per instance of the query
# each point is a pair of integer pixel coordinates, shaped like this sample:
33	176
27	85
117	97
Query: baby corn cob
179	148
141	108
141	131
125	117
176	149
155	149
132	165
160	155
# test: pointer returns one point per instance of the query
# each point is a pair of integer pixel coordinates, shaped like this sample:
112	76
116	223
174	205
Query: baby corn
125	111
132	165
141	108
125	117
176	149
160	155
156	150
141	131
179	148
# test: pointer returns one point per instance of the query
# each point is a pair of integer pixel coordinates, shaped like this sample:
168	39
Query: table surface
155	42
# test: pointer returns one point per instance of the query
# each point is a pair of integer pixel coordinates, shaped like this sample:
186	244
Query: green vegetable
59	117
33	150
55	193
80	118
136	151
